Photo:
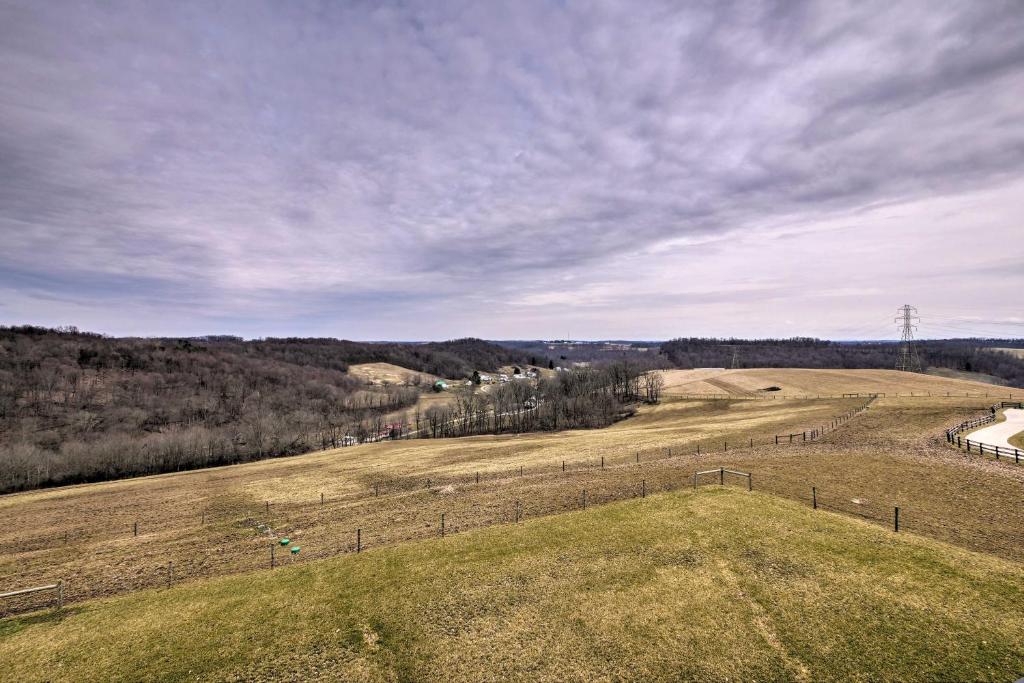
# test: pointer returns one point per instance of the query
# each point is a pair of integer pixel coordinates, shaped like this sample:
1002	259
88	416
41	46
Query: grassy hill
718	584
710	585
806	382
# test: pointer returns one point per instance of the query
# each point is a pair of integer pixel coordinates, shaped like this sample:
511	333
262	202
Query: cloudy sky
512	170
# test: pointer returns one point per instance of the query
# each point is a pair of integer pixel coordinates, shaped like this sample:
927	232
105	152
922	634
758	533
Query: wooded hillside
78	407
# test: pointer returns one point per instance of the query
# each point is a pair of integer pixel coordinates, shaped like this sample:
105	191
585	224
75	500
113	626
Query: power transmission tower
735	358
907	360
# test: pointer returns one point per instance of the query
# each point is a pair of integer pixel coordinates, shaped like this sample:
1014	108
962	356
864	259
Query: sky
414	171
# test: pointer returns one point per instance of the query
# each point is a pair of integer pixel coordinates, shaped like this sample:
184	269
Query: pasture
717	584
196	529
809	382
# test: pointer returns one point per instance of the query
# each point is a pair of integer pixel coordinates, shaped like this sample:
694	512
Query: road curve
999	433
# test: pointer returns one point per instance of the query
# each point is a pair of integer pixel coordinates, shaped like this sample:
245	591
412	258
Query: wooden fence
953	436
58	587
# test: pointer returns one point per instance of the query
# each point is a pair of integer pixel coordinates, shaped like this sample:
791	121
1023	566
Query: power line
907	361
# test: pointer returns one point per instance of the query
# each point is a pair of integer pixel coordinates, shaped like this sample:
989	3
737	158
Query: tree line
581	398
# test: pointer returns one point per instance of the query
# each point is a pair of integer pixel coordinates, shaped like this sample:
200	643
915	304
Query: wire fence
768	396
250	536
411	484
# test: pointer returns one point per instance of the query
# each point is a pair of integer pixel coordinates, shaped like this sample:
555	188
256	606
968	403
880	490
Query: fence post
563	466
695	480
805	436
751	443
268	507
750	482
60	594
359	540
135	529
725	448
272	546
896	519
584	499
698	449
721	476
602	462
814	498
321	500
520	470
442	525
776	439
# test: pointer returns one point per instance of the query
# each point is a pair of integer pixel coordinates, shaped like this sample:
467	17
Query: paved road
998	434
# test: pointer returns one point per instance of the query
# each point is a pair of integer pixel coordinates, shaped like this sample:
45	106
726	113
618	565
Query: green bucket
295	550
285	541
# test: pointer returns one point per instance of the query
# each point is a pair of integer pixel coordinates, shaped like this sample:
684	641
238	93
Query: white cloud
634	169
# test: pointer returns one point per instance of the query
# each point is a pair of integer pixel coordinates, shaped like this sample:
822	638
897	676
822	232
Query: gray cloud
372	170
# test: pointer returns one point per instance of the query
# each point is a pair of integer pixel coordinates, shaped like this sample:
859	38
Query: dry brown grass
386	373
714	585
893	454
810	382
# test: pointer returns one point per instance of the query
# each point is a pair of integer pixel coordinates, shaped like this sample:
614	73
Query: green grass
713	585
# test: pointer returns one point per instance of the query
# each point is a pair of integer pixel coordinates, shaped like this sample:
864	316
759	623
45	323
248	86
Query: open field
718	584
970	376
205	520
808	382
205	524
1013	352
386	373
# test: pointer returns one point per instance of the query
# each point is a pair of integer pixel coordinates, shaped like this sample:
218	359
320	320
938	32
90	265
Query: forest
77	406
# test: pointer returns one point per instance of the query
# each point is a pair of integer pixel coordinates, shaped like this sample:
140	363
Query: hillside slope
80	407
717	584
788	382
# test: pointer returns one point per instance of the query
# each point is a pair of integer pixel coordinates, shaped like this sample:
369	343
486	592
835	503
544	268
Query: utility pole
907	360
